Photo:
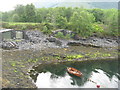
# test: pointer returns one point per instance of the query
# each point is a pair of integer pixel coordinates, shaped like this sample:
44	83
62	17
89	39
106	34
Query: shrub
59	35
46	30
97	28
68	36
62	36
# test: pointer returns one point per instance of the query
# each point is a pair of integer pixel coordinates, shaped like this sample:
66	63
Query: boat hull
74	71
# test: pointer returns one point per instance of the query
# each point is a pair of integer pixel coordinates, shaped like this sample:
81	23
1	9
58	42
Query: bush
68	36
46	30
60	35
4	24
97	28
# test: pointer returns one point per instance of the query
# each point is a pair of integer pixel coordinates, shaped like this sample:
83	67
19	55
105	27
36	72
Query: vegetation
60	35
85	22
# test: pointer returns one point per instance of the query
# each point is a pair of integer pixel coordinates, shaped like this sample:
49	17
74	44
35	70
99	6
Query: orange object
74	71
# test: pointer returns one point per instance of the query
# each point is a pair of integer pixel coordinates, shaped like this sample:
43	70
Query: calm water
55	76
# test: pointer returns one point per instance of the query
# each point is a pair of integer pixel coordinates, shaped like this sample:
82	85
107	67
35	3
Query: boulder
51	39
74	43
55	40
78	43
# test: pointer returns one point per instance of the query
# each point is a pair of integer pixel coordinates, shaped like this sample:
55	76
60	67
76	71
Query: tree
111	20
82	22
20	11
41	15
98	14
61	22
30	13
68	13
0	16
38	16
15	18
5	16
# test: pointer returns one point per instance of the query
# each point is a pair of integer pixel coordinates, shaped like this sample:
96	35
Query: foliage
111	19
59	35
82	21
22	26
15	18
74	56
20	10
30	13
98	14
97	28
61	22
46	30
62	36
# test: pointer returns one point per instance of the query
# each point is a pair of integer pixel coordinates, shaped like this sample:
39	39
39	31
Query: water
55	75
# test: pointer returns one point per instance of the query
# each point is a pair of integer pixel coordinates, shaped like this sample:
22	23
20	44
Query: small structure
5	34
9	34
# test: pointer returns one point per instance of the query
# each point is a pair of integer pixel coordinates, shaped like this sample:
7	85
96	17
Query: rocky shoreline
37	40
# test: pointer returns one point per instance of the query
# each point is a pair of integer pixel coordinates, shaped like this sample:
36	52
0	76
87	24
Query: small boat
74	71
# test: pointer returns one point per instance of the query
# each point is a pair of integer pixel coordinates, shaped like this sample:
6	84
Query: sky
7	5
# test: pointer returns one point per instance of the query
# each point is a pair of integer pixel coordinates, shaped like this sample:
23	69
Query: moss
74	56
13	64
15	70
98	54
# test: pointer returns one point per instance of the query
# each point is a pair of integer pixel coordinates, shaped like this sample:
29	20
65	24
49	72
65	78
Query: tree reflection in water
90	69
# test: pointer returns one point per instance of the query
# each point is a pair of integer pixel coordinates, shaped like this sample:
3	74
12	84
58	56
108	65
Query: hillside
102	5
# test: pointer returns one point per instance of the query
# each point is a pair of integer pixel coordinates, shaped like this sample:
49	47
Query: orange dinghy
74	71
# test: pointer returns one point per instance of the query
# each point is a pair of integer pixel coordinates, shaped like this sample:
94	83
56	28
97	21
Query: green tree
38	15
15	18
82	22
42	14
61	22
0	16
68	13
98	14
5	16
20	11
30	13
111	20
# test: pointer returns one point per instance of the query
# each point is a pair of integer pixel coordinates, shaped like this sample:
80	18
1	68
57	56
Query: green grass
21	23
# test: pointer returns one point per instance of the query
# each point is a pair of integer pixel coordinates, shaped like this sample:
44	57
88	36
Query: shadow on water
55	75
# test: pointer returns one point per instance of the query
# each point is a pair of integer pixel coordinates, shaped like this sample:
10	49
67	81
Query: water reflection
55	75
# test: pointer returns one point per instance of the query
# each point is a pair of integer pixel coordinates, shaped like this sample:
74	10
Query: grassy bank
47	28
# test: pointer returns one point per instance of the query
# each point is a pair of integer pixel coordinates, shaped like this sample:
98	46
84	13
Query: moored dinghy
74	71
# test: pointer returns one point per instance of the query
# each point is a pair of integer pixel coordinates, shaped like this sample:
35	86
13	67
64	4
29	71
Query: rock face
55	40
95	42
77	43
37	40
32	40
